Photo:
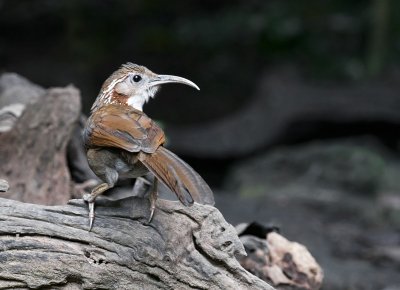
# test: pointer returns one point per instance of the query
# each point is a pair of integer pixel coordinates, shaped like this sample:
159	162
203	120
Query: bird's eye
137	78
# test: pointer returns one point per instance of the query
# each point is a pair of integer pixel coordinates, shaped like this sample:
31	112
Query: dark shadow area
304	131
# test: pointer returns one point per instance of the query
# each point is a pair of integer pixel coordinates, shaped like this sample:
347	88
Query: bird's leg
110	176
153	198
80	189
90	198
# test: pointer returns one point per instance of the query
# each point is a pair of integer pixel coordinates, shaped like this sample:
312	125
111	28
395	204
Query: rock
292	264
274	259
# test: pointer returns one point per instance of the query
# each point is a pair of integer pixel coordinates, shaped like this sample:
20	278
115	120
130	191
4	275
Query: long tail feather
178	176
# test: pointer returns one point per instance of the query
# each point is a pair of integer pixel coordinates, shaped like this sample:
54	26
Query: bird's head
134	85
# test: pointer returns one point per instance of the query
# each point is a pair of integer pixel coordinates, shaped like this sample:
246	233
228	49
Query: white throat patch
137	102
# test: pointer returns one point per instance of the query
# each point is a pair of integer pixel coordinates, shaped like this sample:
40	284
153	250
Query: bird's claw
90	200
152	208
153	199
91	215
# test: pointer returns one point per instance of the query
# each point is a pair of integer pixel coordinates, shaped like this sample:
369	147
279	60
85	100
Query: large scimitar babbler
122	142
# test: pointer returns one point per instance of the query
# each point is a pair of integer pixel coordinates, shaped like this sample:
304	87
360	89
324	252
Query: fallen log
182	248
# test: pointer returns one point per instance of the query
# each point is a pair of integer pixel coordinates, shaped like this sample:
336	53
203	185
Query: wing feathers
122	127
131	130
178	176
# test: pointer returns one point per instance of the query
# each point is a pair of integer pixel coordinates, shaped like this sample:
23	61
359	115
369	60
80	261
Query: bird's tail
178	176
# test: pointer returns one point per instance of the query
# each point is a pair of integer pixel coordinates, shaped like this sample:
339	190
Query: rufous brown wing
123	127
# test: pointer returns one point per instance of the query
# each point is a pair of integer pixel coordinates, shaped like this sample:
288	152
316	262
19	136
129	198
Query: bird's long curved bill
164	79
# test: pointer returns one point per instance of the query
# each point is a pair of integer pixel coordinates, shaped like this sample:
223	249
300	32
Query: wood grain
49	247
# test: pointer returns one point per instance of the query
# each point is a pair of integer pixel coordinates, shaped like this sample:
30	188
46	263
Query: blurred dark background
297	120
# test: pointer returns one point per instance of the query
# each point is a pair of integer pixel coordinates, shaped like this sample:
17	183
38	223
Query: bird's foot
90	198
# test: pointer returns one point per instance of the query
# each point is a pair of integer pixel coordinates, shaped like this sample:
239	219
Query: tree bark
49	247
36	125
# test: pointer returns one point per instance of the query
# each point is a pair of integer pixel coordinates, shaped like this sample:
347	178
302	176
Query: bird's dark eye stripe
137	78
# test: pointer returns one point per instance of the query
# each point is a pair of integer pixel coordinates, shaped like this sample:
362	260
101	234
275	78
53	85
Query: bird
121	141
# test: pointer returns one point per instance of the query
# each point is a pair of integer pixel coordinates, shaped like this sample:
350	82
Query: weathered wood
34	138
3	185
182	248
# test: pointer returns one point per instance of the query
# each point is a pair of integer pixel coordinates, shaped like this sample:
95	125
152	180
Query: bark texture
36	125
49	247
